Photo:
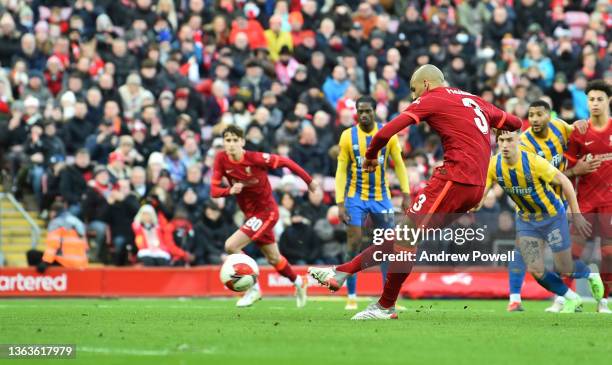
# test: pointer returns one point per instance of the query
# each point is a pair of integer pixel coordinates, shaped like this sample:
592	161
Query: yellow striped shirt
528	183
352	181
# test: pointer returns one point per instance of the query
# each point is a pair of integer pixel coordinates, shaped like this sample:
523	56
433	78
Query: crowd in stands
114	107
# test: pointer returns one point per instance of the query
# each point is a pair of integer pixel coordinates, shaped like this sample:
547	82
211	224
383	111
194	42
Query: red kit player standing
463	122
595	188
247	174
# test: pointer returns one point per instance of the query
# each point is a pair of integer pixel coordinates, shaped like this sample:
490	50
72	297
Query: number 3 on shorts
253	223
419	203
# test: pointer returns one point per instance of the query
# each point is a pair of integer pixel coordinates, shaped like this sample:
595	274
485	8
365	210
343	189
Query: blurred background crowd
111	110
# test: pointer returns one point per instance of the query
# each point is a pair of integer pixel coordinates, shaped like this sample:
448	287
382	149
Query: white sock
352	296
515	298
571	295
559	299
298	281
593	275
604	301
256	286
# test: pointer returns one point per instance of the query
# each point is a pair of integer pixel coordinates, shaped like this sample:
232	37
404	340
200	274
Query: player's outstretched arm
383	136
499	119
295	168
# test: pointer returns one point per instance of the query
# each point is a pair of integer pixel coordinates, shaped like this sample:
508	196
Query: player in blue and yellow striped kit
359	193
529	180
547	138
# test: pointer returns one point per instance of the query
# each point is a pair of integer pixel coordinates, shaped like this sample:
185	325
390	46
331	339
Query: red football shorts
260	227
440	201
600	219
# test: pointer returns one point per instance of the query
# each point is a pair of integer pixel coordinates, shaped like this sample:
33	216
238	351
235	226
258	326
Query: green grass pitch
209	331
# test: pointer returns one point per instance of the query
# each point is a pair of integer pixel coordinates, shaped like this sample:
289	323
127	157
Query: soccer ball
239	272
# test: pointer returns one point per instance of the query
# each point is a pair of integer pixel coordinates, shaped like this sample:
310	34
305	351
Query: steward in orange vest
66	243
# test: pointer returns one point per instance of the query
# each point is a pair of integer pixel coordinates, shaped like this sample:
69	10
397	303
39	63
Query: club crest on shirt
248	170
611	140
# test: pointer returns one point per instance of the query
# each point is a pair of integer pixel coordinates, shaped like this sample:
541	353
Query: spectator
473	15
123	206
132	96
299	242
579	97
154	248
336	85
212	231
78	128
310	155
255	81
117	167
195	67
289	132
277	38
559	92
498	27
544	65
95	209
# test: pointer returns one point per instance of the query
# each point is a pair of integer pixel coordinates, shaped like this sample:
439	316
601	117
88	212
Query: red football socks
284	268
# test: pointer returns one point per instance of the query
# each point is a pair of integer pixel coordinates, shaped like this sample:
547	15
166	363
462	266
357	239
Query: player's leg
334	278
353	243
283	267
233	245
604	219
558	239
516	277
577	247
532	249
606	273
432	208
237	242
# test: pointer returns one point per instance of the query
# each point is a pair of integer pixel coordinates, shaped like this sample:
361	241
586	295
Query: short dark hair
365	99
540	103
599	85
233	129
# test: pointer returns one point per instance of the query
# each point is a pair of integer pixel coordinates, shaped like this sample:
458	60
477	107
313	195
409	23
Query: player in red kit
595	185
247	175
463	122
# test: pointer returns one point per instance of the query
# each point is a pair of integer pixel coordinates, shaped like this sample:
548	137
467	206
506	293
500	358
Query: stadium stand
110	105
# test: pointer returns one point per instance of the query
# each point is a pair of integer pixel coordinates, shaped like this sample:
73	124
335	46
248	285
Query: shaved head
425	78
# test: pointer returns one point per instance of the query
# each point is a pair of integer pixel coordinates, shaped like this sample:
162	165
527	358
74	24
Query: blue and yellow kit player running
541	220
360	194
546	137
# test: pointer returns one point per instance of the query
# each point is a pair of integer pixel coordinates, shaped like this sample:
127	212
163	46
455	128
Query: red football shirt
463	122
252	172
595	189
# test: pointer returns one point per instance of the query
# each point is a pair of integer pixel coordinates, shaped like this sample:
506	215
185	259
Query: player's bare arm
581	224
584	166
581	126
236	189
